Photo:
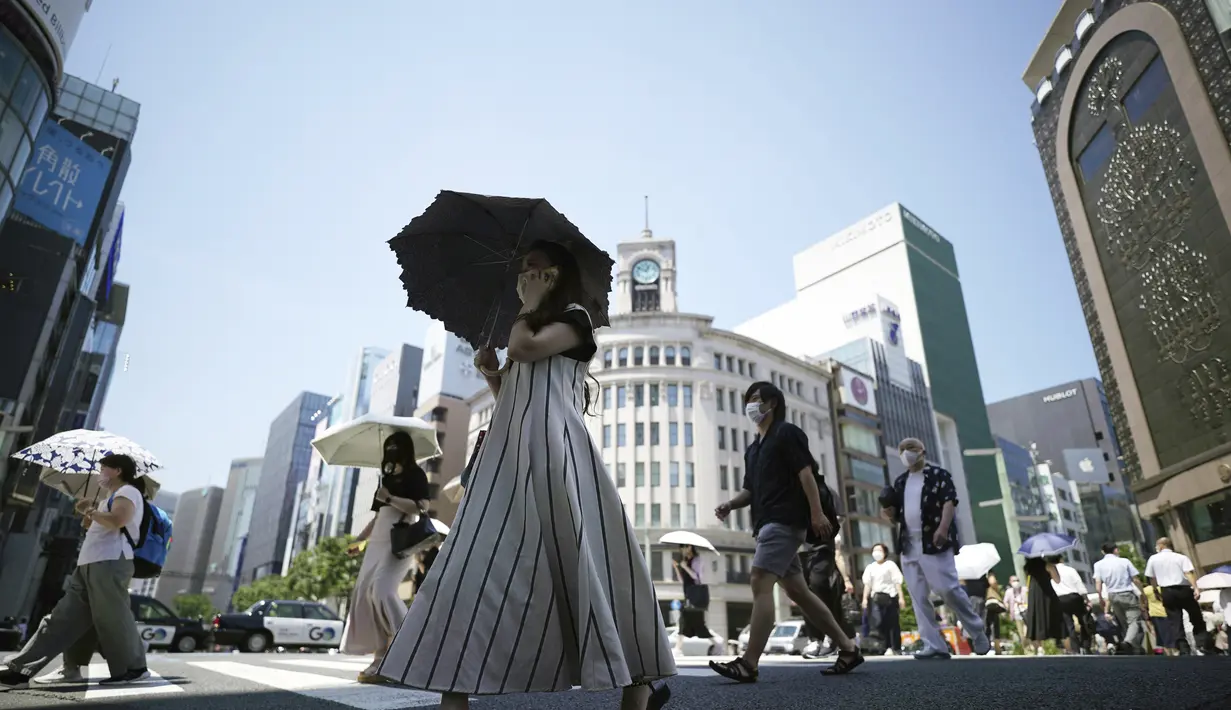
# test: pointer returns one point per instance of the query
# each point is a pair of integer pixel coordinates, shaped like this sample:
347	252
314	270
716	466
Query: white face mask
1015	584
753	410
909	458
878	555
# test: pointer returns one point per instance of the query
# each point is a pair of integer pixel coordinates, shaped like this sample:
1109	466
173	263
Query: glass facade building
97	108
288	453
25	98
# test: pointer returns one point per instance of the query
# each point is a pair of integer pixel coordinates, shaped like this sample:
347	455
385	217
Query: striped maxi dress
541	585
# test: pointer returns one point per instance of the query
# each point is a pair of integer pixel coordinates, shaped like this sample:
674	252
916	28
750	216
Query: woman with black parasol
540	585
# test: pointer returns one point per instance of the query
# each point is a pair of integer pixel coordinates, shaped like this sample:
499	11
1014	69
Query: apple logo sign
1086	465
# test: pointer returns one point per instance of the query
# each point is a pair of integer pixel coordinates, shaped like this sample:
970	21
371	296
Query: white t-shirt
882	578
1167	568
102	544
912	505
1070	581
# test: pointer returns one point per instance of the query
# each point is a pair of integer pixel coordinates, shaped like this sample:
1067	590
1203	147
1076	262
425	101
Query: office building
861	464
35	39
284	467
396	382
187	564
840	283
1133	127
394	386
669	419
1061	500
57	254
447	378
234	516
355	401
896	392
1070	427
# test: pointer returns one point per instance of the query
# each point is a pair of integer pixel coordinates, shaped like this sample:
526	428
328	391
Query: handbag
406	539
697	596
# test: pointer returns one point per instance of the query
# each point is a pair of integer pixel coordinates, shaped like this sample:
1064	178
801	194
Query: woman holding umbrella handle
540	530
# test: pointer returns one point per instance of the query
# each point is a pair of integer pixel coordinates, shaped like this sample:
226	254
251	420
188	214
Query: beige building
669	419
1136	155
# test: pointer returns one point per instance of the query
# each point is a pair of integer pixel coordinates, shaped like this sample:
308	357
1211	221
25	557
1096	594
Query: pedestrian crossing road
207	681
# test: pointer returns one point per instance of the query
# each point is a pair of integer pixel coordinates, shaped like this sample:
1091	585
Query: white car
693	646
788	637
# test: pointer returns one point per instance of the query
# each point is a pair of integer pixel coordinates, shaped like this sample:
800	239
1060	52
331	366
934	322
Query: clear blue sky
281	144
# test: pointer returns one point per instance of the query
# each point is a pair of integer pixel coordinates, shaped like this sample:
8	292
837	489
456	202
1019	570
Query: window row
639	434
651	393
673	474
681	515
641	355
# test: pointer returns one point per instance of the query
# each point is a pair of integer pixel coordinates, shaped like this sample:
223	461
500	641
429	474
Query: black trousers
1073	606
821	571
1180	599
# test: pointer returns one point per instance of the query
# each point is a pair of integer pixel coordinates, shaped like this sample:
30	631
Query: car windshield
785	630
254	607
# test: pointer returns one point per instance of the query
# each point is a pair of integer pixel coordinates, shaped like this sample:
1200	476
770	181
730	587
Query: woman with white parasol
95	605
690	570
396	445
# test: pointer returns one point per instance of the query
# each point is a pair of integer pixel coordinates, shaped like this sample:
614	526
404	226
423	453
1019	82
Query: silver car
787	637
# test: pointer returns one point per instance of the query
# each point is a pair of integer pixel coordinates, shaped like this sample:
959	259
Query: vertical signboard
63	183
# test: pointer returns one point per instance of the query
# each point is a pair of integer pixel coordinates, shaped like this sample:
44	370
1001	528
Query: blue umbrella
1045	544
1225	569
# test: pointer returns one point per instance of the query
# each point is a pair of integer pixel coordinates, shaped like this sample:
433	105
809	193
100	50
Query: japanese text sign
63	183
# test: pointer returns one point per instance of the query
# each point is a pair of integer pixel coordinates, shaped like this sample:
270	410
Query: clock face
646	271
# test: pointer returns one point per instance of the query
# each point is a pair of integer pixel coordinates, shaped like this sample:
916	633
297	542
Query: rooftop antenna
104	66
646	233
114	83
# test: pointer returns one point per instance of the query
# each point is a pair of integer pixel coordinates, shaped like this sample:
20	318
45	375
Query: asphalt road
326	682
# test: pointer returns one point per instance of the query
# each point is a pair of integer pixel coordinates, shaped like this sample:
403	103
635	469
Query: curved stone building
1132	118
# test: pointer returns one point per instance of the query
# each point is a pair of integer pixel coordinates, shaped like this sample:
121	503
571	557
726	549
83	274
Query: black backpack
829	506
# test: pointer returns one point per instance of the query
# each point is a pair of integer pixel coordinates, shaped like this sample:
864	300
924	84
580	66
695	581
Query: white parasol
686	537
1215	580
974	561
361	442
454	490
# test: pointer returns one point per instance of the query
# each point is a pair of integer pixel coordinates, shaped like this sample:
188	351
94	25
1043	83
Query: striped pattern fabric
540	585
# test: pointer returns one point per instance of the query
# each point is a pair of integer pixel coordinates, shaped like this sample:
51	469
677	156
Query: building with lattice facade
1132	119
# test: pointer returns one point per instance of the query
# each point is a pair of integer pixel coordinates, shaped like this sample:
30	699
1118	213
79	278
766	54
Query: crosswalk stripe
323	687
154	685
350	666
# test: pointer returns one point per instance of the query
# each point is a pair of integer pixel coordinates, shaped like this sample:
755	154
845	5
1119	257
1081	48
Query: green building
893	278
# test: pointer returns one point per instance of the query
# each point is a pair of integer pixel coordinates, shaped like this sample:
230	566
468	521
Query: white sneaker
889	652
67	674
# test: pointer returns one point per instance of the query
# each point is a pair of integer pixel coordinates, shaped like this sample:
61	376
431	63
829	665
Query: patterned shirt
938	489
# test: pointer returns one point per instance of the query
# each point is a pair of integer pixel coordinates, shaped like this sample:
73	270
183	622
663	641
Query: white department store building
670	422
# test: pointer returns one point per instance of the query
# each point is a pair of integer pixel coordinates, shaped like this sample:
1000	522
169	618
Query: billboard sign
857	391
1086	466
59	20
63	183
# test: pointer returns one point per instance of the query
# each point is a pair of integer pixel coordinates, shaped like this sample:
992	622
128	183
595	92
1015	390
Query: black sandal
659	695
847	662
737	670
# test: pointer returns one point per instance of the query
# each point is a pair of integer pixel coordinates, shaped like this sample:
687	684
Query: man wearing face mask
781	486
923	501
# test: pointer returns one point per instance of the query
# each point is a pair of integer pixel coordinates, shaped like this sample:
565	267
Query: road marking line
322	687
154	685
352	666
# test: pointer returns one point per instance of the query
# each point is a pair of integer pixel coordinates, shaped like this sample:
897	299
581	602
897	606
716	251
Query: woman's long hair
404	454
1036	569
566	291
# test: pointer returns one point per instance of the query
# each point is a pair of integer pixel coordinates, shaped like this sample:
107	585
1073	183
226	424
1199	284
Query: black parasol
461	258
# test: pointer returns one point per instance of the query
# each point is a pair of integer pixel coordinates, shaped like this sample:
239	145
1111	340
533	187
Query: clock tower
646	280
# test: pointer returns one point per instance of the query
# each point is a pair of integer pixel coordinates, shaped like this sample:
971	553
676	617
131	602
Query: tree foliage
194	606
1128	550
906	614
322	573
